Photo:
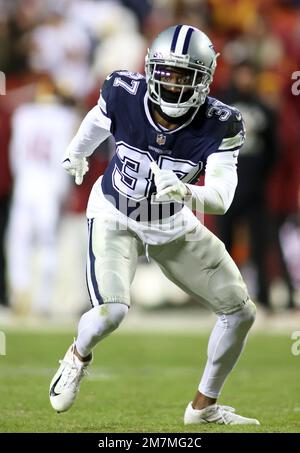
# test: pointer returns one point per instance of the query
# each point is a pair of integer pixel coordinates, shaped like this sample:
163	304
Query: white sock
225	345
96	324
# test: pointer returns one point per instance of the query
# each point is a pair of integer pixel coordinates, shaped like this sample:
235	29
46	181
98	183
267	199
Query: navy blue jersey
128	179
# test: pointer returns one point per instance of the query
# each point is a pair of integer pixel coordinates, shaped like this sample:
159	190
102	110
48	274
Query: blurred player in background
40	132
256	160
166	130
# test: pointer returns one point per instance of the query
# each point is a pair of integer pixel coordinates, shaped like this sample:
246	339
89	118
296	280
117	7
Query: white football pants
202	267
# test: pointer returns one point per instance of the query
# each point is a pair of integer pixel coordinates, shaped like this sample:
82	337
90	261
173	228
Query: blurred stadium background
55	54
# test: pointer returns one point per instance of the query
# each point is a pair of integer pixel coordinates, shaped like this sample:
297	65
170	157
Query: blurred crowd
55	55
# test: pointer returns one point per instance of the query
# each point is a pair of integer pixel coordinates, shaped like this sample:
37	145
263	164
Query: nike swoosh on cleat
52	391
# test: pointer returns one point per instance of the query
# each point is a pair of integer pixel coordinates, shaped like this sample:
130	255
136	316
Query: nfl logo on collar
160	139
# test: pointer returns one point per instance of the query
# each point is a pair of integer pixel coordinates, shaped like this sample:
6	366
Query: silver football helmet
179	68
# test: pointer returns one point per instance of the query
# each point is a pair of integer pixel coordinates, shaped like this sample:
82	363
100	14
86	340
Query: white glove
76	166
168	184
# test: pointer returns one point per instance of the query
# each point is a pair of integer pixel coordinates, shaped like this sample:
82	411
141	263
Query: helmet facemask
177	87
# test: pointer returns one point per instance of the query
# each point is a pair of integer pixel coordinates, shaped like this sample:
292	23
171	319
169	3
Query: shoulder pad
231	122
128	81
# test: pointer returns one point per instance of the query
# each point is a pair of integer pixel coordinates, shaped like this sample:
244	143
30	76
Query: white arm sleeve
94	129
220	183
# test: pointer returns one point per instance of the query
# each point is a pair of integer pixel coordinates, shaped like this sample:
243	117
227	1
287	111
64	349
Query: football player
41	131
167	129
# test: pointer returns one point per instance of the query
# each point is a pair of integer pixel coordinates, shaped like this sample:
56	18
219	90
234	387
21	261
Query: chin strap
174	112
181	121
176	119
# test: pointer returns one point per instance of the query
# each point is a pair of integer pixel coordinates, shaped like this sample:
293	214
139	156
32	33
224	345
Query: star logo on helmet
158	55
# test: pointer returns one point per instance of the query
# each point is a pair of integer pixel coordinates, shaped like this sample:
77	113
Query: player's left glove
76	166
168	185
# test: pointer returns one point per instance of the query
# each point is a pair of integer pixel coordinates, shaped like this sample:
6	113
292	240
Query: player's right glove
168	185
76	166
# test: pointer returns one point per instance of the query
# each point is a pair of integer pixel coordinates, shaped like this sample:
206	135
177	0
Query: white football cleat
222	415
66	381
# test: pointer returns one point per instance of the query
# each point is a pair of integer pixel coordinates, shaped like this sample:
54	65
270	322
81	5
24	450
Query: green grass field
142	383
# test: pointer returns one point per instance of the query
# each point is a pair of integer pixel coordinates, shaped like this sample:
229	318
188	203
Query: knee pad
244	317
102	319
113	313
250	311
